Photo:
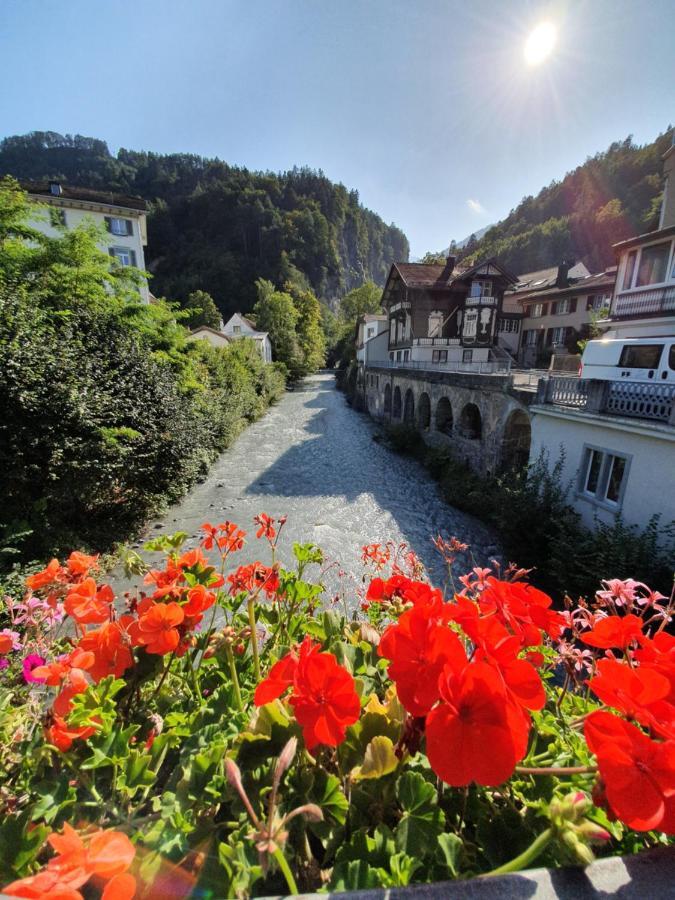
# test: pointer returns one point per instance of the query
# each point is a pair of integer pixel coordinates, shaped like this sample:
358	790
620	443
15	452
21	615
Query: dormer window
55	189
481	288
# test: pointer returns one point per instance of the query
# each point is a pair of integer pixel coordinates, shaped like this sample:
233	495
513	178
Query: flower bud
592	832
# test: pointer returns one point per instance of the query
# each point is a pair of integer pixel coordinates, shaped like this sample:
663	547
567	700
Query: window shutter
130	226
549	337
573	305
111	251
108	223
133	257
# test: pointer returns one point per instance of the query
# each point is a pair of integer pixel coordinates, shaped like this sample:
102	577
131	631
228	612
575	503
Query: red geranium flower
266	526
87	604
638	773
53	572
324	698
477	732
156	627
419	645
523	609
227	536
62	735
614	631
110	648
253	577
79	564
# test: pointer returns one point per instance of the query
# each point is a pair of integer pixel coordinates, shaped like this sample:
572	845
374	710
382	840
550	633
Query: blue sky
426	107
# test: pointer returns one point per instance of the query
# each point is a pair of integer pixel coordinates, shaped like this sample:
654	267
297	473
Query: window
511	326
562	307
629	270
671	357
530	337
391	356
236	329
398	356
653	262
119	226
406	355
537	310
439	356
435	324
641	356
481	288
603	476
123	255
467	356
57	217
599	301
558	336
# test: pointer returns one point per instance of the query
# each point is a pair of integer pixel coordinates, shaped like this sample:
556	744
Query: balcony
639	400
398	307
480	300
635	304
435	342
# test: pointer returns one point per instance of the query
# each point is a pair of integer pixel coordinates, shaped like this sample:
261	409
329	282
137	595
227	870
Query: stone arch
409	408
424	412
387	398
470	423
516	440
396	410
444	416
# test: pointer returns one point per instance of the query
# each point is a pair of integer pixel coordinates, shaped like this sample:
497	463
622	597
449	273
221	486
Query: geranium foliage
226	731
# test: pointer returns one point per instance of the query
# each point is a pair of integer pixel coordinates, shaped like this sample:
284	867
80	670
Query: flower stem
527	857
254	638
235	677
556	770
288	875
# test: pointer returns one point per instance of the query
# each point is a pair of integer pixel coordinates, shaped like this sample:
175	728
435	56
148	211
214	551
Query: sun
540	43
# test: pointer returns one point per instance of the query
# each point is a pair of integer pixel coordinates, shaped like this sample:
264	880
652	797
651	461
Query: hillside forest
219	228
612	196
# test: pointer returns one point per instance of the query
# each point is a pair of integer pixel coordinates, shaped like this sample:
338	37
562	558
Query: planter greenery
220	732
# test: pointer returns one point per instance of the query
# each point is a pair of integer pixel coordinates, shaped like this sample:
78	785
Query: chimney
449	267
562	281
55	188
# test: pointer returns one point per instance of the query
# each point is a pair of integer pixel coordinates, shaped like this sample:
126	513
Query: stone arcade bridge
483	418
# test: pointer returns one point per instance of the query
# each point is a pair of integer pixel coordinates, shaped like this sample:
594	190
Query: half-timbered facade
439	314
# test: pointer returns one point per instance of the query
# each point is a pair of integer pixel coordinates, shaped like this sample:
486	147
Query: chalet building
557	307
442	315
123	217
238	326
644	298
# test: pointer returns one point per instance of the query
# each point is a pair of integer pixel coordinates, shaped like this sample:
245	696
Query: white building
644	297
368	326
123	217
239	326
619	446
211	335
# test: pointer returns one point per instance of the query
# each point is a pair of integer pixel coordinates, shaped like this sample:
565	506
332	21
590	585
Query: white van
630	359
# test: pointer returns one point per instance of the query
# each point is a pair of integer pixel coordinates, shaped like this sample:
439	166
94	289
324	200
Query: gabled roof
577	286
215	331
488	265
88	195
435	276
544	278
247	321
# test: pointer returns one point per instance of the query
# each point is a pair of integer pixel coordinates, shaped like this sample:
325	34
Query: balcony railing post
596	396
543	389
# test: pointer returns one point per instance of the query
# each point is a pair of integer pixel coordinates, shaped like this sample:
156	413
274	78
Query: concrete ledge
645	876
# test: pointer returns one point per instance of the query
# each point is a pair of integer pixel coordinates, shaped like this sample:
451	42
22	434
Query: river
316	460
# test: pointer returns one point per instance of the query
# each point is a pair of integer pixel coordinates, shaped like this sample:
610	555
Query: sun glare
540	43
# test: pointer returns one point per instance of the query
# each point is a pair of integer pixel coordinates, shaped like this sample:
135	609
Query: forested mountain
612	196
217	227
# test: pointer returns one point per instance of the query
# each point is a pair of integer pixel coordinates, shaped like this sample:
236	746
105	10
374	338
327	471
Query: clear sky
427	107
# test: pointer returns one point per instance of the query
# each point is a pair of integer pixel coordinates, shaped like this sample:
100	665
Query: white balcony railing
645	302
481	300
402	304
435	342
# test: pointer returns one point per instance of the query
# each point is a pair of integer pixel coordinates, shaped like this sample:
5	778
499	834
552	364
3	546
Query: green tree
310	333
276	314
202	310
364	299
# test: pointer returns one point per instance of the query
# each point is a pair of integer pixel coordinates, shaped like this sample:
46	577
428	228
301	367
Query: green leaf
421	822
379	760
327	794
353	876
449	848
